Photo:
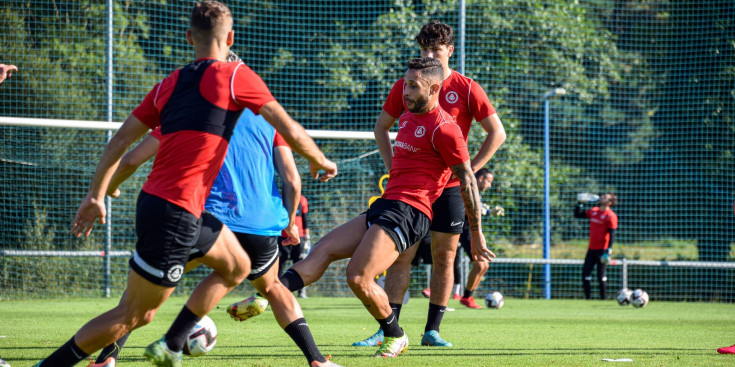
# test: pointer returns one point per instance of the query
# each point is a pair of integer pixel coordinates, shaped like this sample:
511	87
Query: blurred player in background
465	100
6	71
296	252
479	268
603	223
197	108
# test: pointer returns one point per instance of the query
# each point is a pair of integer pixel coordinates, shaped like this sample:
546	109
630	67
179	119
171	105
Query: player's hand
497	211
293	236
6	71
478	247
90	210
324	171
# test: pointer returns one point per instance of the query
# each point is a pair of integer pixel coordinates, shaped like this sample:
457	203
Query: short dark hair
209	18
434	34
613	198
428	67
482	172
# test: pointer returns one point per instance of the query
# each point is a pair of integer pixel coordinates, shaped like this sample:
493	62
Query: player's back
197	115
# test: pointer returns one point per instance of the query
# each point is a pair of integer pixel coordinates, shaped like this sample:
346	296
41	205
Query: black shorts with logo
405	224
448	211
262	250
167	236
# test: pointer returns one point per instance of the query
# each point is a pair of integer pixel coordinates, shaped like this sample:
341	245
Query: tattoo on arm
470	193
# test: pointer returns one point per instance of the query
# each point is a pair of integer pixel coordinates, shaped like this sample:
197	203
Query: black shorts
262	250
289	252
211	228
167	236
448	211
465	239
423	252
405	224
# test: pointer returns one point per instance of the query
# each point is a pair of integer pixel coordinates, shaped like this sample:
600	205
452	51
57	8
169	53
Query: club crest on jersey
452	97
175	273
420	131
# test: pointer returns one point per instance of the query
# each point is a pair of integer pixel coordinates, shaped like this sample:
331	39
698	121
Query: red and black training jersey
197	108
460	96
600	224
426	146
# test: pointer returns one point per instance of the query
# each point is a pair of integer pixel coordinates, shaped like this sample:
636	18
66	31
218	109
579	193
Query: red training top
426	146
460	96
197	108
600	223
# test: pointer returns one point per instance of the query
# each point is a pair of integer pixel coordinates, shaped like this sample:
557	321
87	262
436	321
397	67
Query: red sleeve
146	111
394	103
449	142
304	204
156	133
479	103
249	90
279	141
588	212
613	221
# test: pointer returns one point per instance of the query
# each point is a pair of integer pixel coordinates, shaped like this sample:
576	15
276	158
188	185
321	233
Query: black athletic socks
68	354
112	350
179	331
292	280
301	335
436	313
396	307
467	293
390	326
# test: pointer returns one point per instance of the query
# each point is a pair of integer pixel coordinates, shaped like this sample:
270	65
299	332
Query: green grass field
523	333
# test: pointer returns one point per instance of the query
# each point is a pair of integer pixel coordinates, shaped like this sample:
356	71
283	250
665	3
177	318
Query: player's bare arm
130	162
494	139
382	137
92	207
299	140
286	167
473	207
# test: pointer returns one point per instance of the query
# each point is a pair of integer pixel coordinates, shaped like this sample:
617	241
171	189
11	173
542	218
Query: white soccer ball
639	298
494	300
623	297
202	338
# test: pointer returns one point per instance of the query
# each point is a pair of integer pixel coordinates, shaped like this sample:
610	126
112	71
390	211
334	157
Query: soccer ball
639	298
202	338
494	300
623	297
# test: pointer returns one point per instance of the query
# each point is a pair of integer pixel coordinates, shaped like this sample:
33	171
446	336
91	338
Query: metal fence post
108	227
625	273
461	53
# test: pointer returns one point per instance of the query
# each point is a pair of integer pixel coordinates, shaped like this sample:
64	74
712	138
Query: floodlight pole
547	209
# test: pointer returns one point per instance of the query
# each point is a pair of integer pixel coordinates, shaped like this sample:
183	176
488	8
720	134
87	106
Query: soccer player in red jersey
430	148
465	100
603	223
197	108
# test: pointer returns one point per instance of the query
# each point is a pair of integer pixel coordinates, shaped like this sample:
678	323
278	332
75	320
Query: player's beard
419	104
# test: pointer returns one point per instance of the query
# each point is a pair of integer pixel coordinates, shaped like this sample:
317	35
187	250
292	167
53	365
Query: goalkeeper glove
605	258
